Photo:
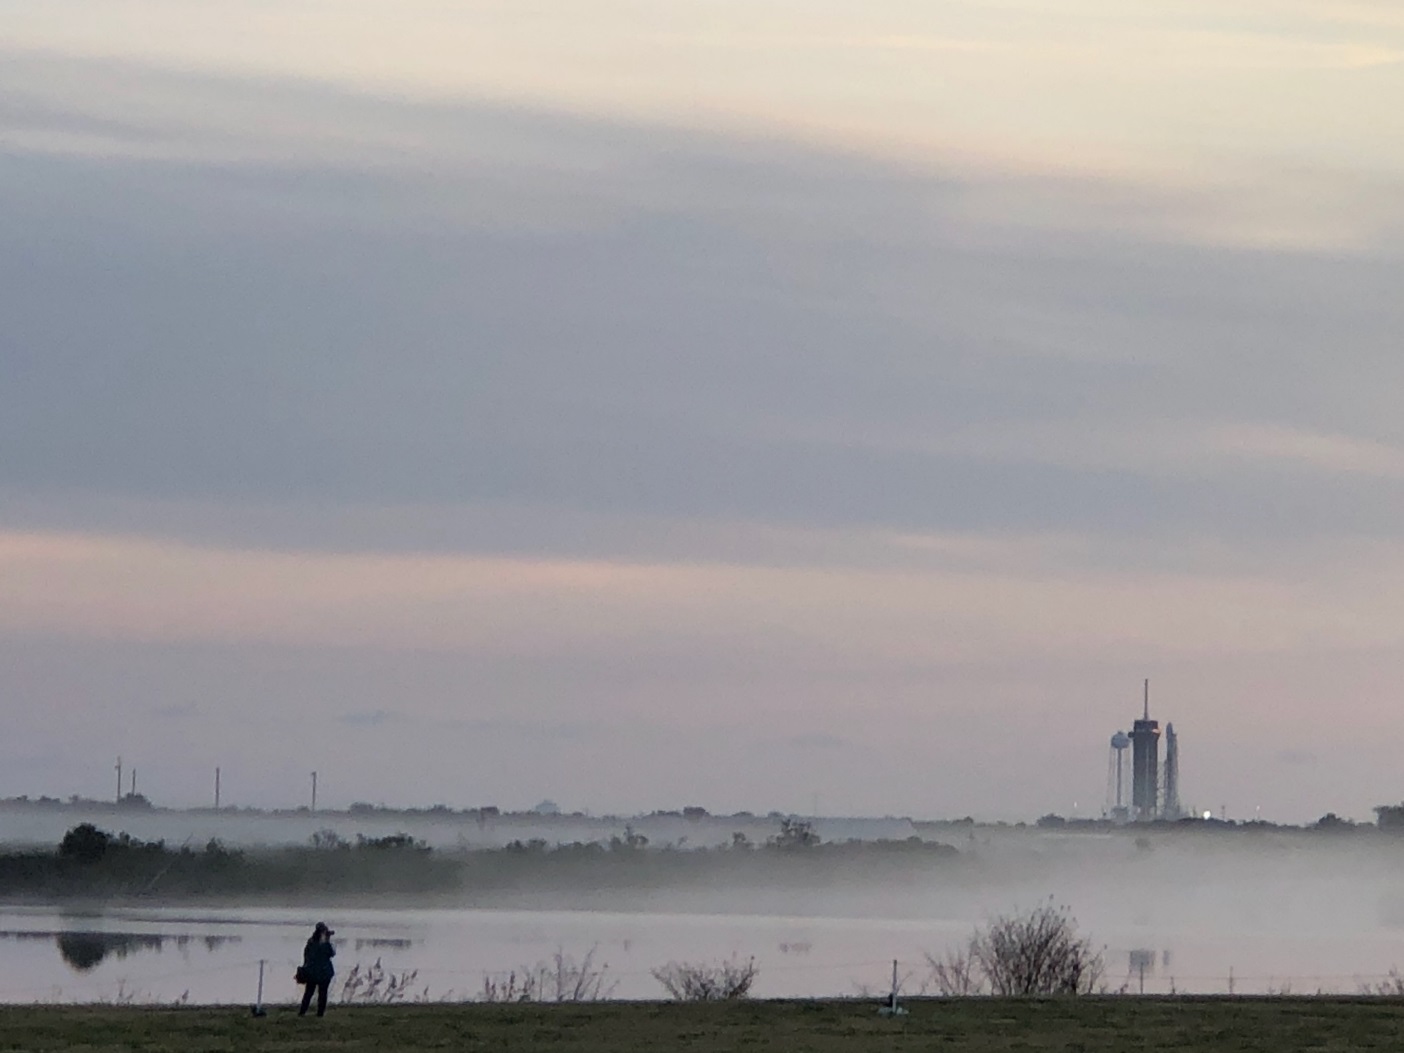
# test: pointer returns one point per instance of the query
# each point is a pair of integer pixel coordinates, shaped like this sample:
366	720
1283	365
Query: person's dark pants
321	990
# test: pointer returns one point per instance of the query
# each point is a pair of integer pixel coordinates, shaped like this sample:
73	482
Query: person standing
317	969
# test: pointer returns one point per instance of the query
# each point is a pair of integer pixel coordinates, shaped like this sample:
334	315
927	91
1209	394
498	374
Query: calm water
212	956
1274	910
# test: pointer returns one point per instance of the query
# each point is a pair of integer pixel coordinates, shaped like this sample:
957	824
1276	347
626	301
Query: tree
1390	816
85	843
632	841
795	833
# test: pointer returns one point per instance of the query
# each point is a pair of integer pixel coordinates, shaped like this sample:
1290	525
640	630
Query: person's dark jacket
317	960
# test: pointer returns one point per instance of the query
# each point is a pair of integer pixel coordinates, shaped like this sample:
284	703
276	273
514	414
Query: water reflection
85	951
374	942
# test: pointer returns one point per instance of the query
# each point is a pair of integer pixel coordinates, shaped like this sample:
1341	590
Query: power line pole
314	791
119	779
216	789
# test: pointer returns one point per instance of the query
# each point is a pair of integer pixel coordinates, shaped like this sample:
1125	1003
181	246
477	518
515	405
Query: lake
1241	910
212	956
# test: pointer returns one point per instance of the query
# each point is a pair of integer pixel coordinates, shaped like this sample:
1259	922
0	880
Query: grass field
1272	1025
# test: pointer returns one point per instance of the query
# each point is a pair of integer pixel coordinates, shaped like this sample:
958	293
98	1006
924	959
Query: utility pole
119	779
133	782
314	791
216	789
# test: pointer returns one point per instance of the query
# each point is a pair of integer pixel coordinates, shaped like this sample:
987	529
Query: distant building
1145	765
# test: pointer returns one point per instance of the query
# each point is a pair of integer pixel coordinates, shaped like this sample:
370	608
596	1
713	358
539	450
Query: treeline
91	863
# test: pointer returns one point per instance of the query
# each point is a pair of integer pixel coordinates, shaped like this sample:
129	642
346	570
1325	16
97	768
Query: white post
890	1007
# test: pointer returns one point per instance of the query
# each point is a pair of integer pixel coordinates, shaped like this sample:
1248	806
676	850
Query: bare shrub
1392	986
706	981
562	979
509	987
1033	953
328	840
908	984
377	985
1037	953
956	974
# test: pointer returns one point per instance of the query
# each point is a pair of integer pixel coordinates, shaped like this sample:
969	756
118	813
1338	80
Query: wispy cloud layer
539	404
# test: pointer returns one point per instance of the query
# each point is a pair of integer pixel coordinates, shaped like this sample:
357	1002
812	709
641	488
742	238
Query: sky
737	403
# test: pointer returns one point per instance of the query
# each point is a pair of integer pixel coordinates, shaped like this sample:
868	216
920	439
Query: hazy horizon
703	403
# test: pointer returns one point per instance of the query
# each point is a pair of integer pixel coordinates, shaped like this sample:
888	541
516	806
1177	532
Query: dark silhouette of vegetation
795	833
1390	816
563	979
1036	953
90	862
707	981
85	843
376	985
1332	821
93	863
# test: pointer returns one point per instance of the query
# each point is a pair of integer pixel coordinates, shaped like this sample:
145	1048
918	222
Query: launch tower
1145	764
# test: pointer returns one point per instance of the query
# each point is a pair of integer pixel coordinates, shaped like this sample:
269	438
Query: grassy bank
1089	1025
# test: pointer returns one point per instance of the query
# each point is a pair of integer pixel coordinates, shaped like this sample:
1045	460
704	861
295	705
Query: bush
1036	953
704	982
562	979
795	833
956	974
377	985
85	843
328	840
392	843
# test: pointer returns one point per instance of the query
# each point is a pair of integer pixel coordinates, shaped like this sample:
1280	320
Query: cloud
458	305
557	429
374	718
659	621
1334	454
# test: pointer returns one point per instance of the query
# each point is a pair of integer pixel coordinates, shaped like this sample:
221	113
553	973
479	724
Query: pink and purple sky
723	403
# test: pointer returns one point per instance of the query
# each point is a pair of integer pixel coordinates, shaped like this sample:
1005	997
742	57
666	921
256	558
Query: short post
892	1008
258	1009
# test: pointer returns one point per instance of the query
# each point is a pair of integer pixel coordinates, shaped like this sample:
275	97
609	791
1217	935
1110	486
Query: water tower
1116	776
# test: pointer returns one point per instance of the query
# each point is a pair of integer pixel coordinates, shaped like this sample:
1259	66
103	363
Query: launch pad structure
1155	791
